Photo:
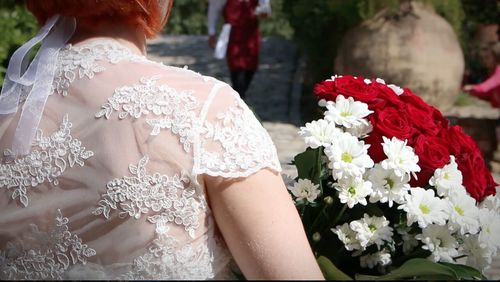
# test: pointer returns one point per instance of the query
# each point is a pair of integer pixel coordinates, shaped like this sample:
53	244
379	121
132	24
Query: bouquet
388	189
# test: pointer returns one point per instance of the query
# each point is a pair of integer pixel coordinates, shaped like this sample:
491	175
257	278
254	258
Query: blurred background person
489	89
244	40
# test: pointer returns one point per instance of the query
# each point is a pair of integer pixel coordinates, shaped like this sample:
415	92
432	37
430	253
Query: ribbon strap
37	79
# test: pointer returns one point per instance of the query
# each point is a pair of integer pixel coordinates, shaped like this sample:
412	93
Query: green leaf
306	163
330	271
417	268
466	272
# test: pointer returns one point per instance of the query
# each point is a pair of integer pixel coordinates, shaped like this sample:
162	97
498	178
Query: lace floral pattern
184	244
174	199
54	253
245	145
167	258
46	163
175	109
82	61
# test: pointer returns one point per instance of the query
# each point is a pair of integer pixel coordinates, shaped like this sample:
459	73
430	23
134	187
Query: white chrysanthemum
334	77
491	202
347	236
409	240
380	80
446	178
382	258
322	103
319	133
360	131
387	186
438	240
304	189
348	156
353	190
464	214
479	255
400	157
372	230
398	90
423	207
288	179
489	222
347	112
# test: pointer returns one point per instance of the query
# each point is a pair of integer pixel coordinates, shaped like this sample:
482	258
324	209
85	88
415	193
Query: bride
118	167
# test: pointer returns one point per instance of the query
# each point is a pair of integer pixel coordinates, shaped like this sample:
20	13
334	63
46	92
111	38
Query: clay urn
411	46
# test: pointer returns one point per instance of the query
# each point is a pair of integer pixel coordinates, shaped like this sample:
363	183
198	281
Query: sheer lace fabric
111	188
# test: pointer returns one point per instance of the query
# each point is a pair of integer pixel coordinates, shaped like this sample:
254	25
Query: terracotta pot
411	47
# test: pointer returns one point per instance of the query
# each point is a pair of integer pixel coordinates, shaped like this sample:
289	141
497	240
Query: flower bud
316	237
328	200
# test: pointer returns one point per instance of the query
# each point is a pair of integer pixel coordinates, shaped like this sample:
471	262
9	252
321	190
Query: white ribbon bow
37	78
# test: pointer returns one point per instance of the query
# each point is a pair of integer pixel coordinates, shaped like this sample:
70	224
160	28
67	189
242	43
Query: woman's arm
484	89
261	227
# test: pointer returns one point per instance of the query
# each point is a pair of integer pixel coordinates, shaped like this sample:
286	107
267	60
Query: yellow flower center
346	157
390	182
425	209
345	114
459	210
352	191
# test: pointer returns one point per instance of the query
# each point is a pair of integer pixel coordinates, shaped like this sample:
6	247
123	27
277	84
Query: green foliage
17	25
277	24
483	11
189	17
320	27
452	11
368	8
424	269
330	271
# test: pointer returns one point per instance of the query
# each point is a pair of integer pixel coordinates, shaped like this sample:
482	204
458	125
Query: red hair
145	14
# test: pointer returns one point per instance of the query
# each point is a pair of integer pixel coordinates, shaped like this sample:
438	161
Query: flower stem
341	213
316	220
317	171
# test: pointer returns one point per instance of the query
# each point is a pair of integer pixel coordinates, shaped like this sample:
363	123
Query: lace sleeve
232	142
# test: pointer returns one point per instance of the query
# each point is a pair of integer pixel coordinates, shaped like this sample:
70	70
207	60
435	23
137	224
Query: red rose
355	88
375	150
432	154
427	119
326	90
386	97
477	179
459	143
388	122
438	119
348	86
422	120
391	122
409	98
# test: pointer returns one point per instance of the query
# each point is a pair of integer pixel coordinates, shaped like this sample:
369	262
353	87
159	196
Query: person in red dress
244	40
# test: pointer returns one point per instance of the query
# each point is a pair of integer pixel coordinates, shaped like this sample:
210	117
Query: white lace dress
112	187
